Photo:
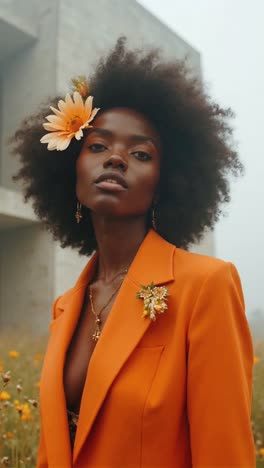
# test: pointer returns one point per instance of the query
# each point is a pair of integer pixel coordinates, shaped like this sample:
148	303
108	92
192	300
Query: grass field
20	365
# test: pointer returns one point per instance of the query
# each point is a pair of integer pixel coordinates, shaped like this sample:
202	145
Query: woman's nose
116	161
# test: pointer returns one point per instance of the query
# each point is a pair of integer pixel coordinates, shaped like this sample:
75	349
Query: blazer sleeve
220	374
42	461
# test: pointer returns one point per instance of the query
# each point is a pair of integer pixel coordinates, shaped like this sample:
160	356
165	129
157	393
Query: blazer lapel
123	330
52	396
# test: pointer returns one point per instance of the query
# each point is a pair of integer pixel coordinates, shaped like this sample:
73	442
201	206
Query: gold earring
154	219
78	214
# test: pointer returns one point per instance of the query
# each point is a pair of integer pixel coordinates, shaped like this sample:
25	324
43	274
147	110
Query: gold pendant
96	335
78	216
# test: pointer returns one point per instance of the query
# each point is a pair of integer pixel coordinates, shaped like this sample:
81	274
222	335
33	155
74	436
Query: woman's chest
81	348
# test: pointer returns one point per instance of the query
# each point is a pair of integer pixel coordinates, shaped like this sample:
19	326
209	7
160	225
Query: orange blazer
174	393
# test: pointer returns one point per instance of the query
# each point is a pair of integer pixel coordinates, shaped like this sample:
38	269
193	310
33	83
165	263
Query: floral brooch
154	298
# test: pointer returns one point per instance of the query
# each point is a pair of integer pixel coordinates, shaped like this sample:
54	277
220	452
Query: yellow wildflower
16	402
9	435
13	354
256	359
4	396
24	411
26	417
38	356
19	408
261	451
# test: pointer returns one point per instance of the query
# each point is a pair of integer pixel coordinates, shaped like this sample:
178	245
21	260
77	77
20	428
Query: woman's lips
110	186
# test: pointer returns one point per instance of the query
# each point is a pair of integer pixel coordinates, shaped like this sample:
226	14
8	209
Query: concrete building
42	45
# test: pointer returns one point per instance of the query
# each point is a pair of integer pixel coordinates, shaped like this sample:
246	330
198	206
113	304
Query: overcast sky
229	34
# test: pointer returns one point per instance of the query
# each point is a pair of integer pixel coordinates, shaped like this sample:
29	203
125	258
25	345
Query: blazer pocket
132	385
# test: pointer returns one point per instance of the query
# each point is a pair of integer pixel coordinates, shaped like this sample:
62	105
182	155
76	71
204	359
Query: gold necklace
97	331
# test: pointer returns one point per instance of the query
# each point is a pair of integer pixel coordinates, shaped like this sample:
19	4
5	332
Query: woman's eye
142	155
96	147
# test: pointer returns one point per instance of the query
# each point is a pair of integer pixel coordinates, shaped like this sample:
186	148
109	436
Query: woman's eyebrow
100	131
134	138
143	138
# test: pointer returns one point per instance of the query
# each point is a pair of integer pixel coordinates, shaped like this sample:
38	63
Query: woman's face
118	168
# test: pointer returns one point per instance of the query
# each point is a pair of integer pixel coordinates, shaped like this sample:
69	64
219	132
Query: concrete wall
26	278
68	265
13	211
24	13
27	77
87	32
1	123
16	32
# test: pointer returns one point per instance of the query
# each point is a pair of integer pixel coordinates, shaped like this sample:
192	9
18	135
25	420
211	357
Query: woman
150	358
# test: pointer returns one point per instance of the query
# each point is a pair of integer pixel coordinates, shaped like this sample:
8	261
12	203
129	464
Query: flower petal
52	146
57	112
47	138
55	119
53	142
62	105
65	108
53	127
93	114
70	105
79	108
68	100
79	134
77	98
64	143
52	136
88	105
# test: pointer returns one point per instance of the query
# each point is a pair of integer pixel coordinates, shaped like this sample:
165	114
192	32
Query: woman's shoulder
190	267
199	260
200	267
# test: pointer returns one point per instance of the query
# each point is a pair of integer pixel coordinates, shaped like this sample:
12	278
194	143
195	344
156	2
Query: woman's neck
118	242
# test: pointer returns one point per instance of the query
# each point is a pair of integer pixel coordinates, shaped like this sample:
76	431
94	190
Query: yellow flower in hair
73	116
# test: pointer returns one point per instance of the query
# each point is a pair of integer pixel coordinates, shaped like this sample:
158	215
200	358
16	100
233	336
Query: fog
230	38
